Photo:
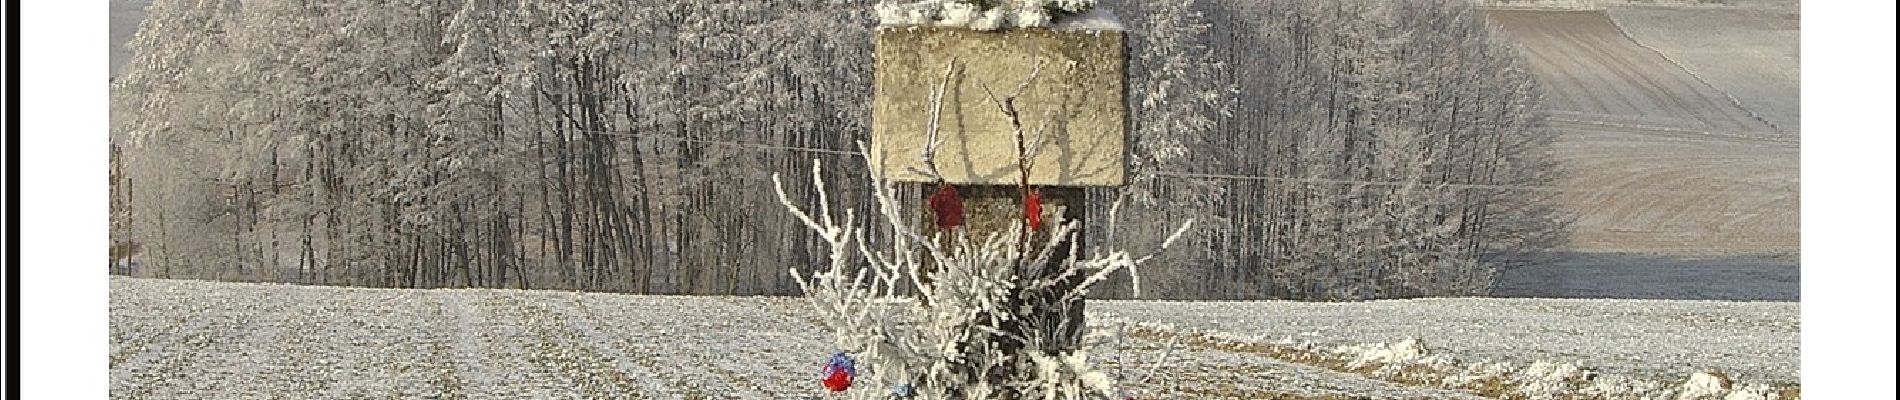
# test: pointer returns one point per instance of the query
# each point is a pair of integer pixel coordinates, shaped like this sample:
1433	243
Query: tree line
626	146
1402	145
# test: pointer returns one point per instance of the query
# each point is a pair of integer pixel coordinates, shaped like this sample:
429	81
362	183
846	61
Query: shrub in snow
1705	385
1408	350
1753	392
1547	380
978	326
1716	385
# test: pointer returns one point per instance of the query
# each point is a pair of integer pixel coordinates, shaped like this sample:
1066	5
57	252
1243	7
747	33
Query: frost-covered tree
1176	91
1375	150
467	177
166	116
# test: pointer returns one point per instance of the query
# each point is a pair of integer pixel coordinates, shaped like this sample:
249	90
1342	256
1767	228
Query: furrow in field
395	339
1664	148
156	369
706	346
1653	191
1752	55
467	346
531	360
639	370
1591	67
238	368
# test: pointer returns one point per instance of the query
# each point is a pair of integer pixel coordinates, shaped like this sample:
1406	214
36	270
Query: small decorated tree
960	337
994	316
980	299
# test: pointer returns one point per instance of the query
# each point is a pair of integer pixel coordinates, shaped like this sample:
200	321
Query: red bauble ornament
948	206
838	381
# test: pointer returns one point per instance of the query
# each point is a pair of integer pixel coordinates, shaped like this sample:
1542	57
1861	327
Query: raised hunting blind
1066	89
1077	99
997	126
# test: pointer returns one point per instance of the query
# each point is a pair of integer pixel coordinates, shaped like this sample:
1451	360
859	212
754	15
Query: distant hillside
1680	127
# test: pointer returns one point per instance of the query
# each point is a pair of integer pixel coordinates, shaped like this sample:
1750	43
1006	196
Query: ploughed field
1679	126
176	339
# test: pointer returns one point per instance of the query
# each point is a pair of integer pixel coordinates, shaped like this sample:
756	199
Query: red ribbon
1032	209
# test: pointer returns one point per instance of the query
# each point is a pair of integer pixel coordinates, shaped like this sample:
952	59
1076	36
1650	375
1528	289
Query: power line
1457	186
1352	182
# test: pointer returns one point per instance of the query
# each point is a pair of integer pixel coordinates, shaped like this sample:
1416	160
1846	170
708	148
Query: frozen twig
932	136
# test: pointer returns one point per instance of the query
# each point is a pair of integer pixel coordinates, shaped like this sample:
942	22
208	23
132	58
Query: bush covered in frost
978	325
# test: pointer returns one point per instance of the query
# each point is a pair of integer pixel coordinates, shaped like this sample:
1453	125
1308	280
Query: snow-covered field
190	339
1642	338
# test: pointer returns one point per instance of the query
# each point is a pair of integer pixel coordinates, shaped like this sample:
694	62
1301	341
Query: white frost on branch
982	16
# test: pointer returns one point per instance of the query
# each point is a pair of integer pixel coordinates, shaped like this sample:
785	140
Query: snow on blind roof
1096	19
951	13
